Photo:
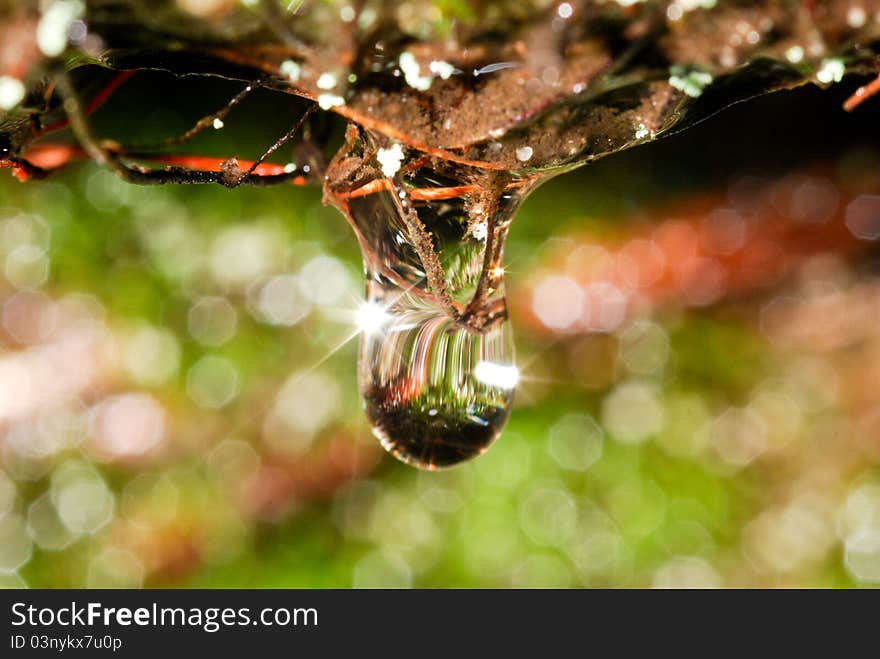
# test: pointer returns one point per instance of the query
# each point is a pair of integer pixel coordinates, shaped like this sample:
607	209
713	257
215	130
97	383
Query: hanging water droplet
436	364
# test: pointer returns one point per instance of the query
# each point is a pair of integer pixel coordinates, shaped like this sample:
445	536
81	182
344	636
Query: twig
200	125
22	169
424	248
862	94
102	97
227	175
474	314
284	139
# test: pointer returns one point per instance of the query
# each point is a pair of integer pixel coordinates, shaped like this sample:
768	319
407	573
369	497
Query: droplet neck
435	205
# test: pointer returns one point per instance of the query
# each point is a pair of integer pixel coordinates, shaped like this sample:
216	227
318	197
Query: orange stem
862	94
118	80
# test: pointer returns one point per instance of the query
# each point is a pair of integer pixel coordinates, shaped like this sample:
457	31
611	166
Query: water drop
436	364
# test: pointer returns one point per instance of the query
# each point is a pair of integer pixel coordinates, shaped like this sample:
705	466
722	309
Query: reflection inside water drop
436	364
422	389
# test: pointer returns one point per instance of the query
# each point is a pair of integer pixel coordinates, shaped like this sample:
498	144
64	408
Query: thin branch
862	94
284	139
474	313
203	123
425	249
229	173
102	97
22	169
